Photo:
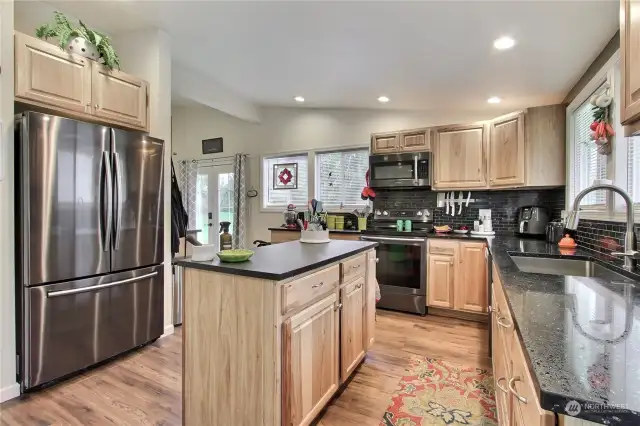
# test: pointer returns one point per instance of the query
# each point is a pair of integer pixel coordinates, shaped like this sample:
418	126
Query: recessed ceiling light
503	43
299	99
383	99
494	100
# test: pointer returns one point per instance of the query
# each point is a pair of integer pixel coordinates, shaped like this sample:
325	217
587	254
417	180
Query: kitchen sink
554	266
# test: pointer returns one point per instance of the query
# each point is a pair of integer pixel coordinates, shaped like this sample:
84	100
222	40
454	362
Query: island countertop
281	261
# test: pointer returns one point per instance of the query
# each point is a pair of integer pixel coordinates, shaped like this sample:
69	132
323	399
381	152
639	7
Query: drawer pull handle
355	266
317	285
513	390
359	285
500	323
500	387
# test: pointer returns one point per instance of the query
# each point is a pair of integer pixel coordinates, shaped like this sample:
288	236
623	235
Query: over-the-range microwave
400	170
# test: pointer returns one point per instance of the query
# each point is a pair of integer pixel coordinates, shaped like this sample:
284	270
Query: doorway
214	201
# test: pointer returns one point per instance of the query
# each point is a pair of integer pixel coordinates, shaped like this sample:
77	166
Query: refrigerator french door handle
118	193
100	286
108	181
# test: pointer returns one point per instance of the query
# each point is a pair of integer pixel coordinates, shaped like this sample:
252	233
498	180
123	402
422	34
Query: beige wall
8	386
284	130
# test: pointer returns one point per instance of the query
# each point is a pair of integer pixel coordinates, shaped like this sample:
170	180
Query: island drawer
443	247
524	394
353	268
303	290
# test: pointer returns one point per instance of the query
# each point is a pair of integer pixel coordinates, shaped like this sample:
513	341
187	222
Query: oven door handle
412	241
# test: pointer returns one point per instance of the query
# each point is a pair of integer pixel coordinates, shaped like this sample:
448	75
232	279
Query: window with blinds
280	198
340	177
588	165
633	168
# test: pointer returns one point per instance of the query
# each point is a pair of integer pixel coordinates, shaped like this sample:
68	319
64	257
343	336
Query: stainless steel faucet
630	254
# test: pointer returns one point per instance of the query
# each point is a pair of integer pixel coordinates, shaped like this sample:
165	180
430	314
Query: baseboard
10	392
168	330
470	316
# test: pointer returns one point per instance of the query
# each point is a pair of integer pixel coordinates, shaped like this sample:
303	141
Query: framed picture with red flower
285	176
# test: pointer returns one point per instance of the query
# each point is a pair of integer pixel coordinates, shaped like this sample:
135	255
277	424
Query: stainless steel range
402	258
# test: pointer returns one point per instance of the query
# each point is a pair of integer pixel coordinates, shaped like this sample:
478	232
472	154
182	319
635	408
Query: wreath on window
601	130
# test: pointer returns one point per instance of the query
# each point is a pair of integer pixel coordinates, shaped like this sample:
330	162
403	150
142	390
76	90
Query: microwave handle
415	169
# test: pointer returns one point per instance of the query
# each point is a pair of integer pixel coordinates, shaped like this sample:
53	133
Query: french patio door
214	201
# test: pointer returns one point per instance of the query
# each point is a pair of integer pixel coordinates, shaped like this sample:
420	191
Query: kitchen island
270	341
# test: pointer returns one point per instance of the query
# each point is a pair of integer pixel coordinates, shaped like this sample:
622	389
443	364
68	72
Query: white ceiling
430	55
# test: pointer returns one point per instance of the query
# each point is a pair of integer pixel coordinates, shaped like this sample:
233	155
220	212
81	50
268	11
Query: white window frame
263	184
316	189
613	210
311	178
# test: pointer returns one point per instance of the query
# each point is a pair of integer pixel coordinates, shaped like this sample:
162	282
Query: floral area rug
439	393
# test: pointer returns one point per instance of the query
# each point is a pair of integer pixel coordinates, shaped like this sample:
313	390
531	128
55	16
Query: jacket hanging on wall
179	217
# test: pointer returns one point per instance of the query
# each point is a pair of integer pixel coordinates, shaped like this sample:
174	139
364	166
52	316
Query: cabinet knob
359	286
96	106
88	104
338	306
377	260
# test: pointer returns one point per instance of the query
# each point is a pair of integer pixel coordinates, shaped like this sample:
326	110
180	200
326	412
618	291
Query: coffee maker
532	220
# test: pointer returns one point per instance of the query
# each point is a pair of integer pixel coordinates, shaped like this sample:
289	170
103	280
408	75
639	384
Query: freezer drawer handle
100	286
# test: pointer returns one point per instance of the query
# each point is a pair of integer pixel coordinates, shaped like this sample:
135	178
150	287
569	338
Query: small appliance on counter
532	220
555	231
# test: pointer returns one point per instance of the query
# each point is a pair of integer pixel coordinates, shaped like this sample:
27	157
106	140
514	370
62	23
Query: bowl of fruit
463	230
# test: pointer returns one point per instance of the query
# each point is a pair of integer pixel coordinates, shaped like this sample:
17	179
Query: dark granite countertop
285	260
337	231
581	335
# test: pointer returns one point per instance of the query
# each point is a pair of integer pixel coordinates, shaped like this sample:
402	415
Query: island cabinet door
370	301
310	367
352	346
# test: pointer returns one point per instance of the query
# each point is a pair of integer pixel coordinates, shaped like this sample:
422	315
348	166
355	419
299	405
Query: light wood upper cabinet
49	76
370	300
506	151
76	87
441	281
459	157
471	289
382	143
309	361
630	60
352	324
415	140
545	145
119	97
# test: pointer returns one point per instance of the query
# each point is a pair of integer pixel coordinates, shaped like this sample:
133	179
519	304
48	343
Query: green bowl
234	256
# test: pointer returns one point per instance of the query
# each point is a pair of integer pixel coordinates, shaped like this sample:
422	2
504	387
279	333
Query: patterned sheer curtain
187	177
239	199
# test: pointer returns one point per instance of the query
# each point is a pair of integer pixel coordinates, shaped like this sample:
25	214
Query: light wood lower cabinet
516	398
77	87
309	361
441	280
285	236
352	325
273	353
370	301
457	276
471	288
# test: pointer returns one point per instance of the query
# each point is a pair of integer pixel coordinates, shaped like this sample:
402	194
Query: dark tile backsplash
602	237
503	204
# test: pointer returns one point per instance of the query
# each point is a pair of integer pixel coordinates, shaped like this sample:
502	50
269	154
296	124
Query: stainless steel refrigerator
89	213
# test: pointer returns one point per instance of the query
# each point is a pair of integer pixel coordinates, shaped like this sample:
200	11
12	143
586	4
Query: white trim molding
9	392
168	330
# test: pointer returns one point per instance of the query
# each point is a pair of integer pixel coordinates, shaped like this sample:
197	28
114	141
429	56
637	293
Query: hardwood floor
145	387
